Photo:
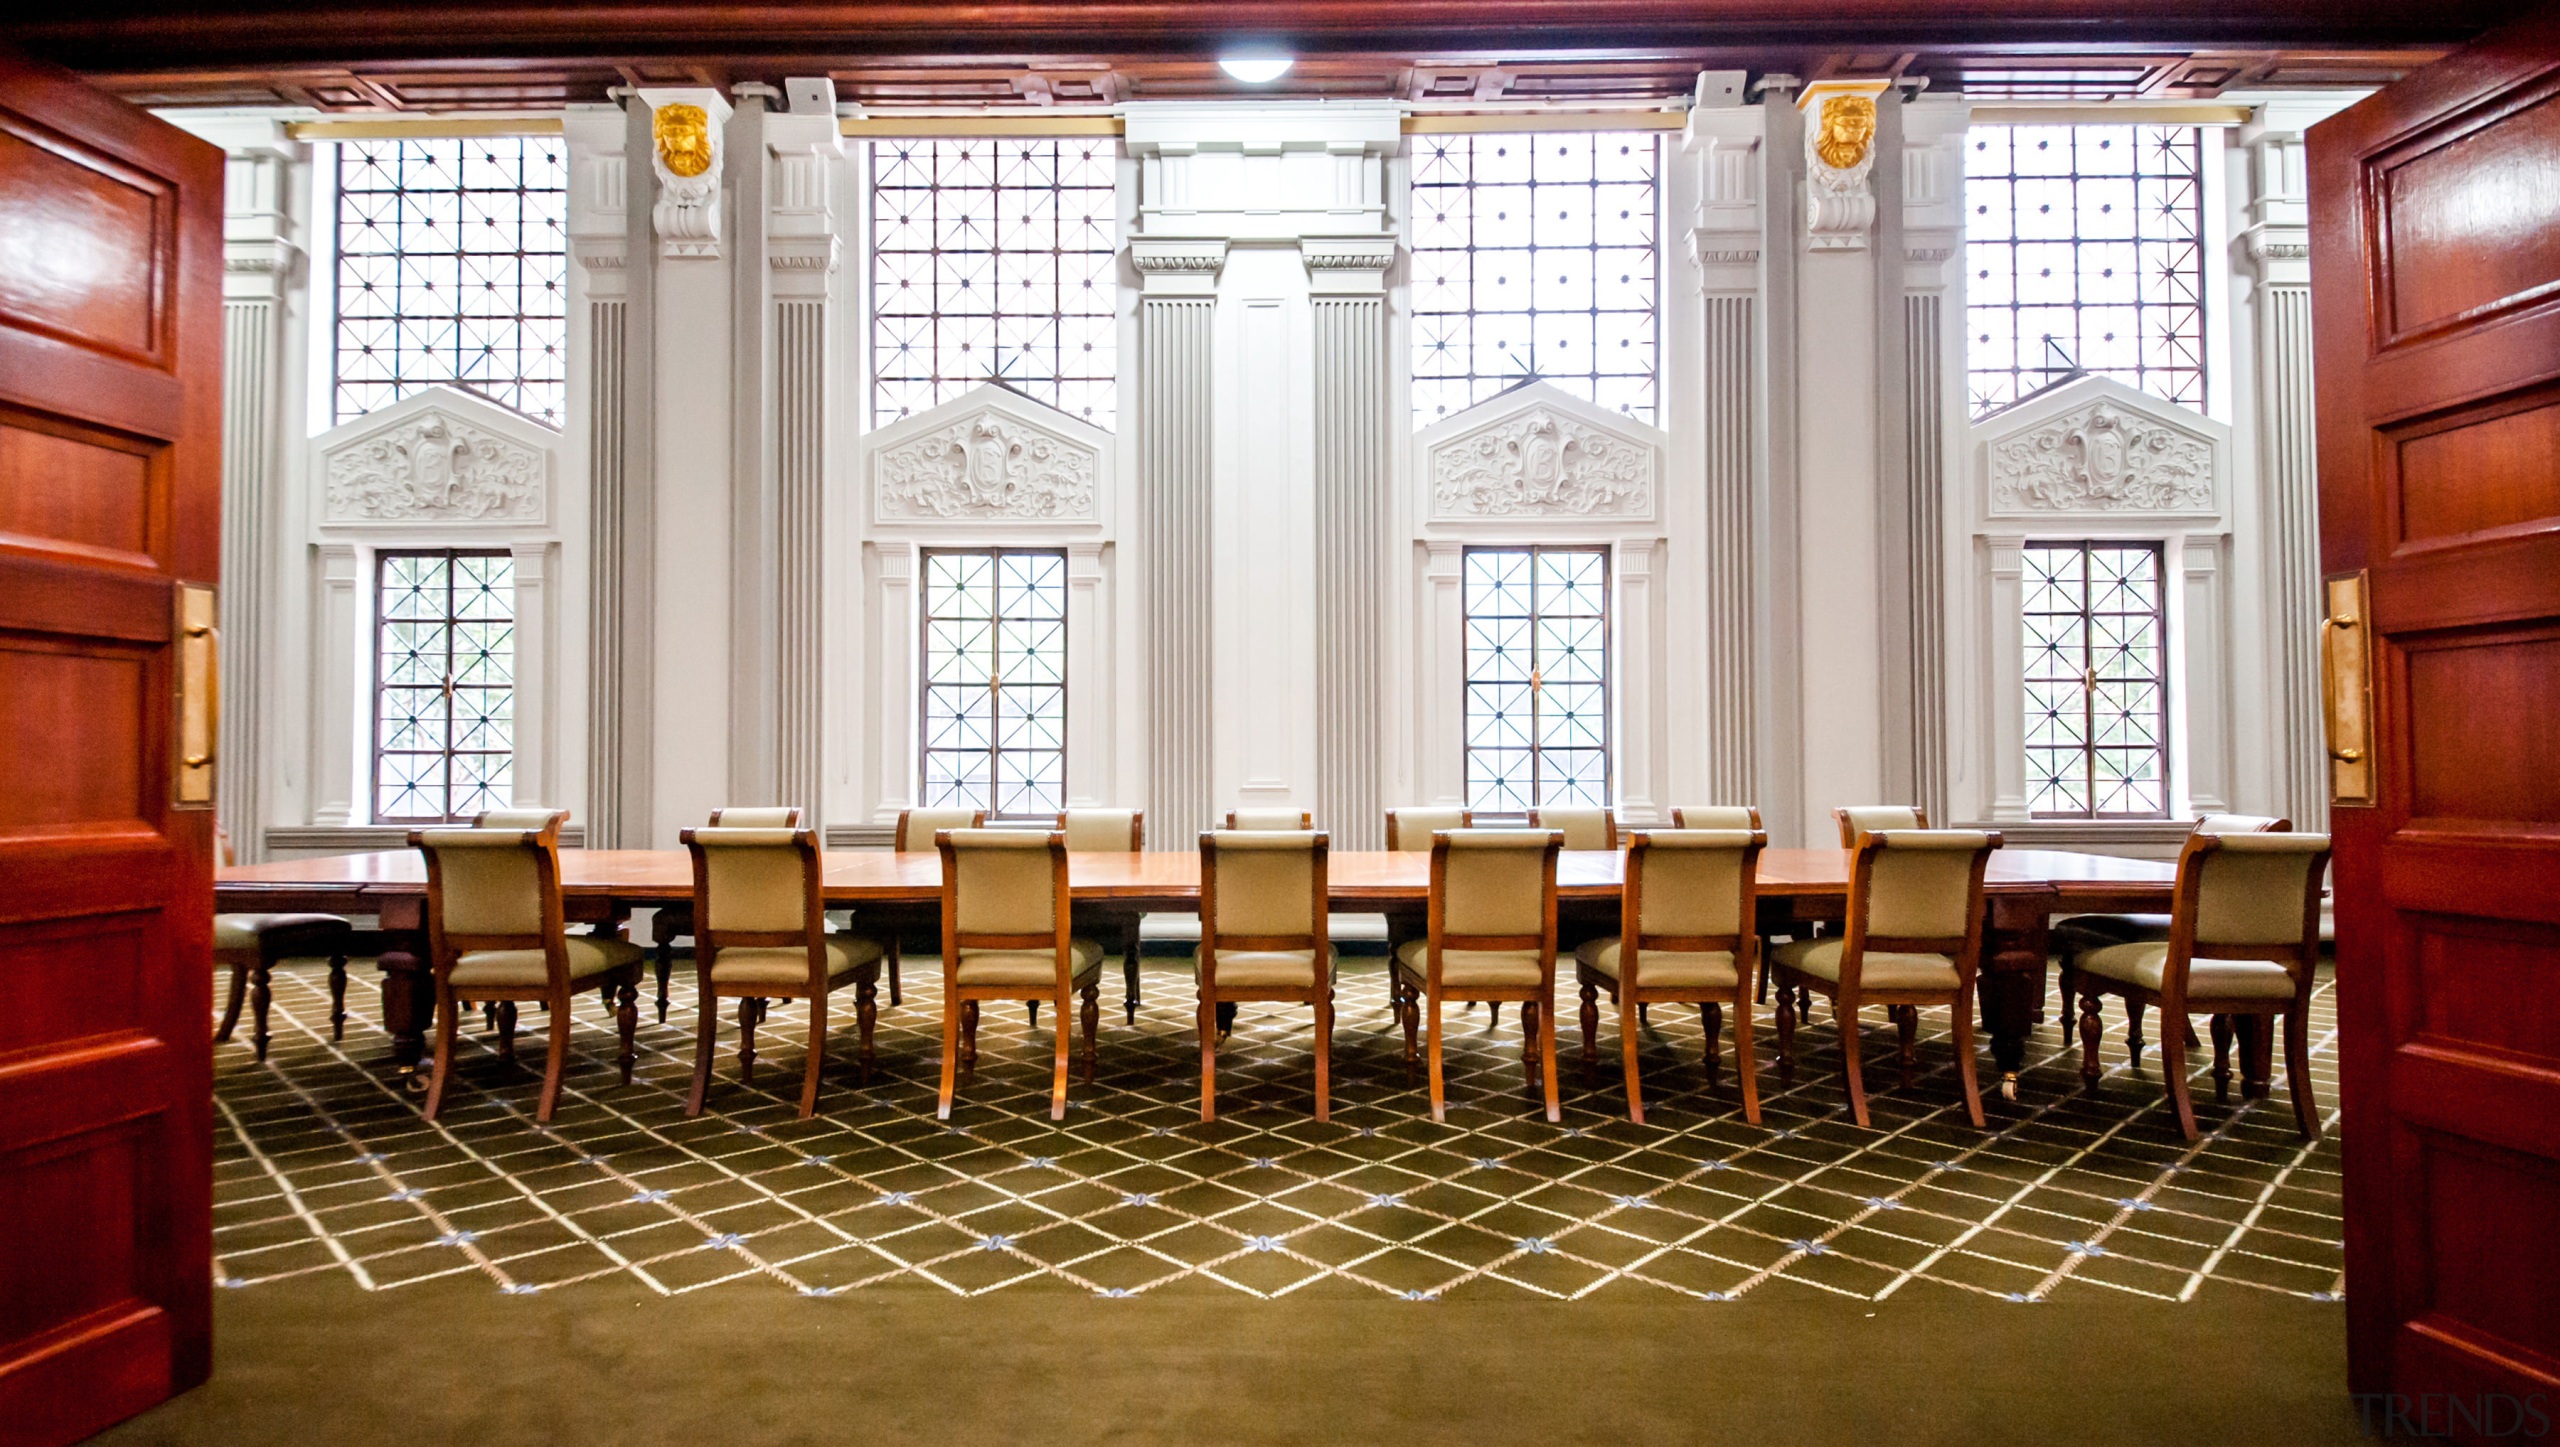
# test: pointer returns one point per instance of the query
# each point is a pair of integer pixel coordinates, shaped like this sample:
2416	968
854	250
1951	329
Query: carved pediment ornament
2102	458
987	465
435	468
1542	463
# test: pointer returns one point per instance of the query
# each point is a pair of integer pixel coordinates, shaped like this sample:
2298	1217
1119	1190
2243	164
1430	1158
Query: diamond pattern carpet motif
324	1164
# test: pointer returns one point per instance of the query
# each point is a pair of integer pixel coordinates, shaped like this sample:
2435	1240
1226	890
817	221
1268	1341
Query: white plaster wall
692	617
1839	591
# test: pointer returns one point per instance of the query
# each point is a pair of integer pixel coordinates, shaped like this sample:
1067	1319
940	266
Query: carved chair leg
969	1039
2173	1065
337	997
2093	1028
1065	1038
1906	1031
817	1065
556	1065
446	1008
1786	1032
1412	1027
866	1014
1130	954
1627	1024
626	1019
2222	1059
261	995
2297	1071
1034	1007
1208	1017
750	1011
2070	989
1529	1042
1546	1009
239	997
1226	1018
1439	1089
1743	1064
950	1054
1092	1022
2257	1051
666	962
507	1031
1590	1029
2133	1031
1964	1056
894	997
1324	1055
706	1041
1711	1023
1850	1068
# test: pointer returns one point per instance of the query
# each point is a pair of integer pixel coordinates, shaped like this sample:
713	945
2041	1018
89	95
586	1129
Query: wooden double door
110	494
2435	255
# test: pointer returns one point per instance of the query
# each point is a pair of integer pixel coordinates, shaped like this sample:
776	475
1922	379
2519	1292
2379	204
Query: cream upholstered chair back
1283	819
2255	890
496	886
1582	828
916	827
1263	889
1004	881
1104	831
1693	882
530	818
754	881
1715	816
1920	884
1494	882
776	816
1860	819
1409	831
2241	824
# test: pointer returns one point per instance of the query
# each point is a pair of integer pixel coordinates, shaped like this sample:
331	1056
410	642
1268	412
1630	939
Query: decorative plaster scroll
986	465
2102	458
1541	462
436	467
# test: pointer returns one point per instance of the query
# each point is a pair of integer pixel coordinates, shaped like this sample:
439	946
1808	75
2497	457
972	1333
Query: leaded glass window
1534	256
995	680
1537	706
2097	643
994	258
2084	249
453	261
445	674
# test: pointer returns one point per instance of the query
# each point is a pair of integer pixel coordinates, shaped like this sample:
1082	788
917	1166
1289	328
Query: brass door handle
2346	691
199	669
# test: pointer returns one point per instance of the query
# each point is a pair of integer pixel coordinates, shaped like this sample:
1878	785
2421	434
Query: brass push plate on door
2346	690
199	694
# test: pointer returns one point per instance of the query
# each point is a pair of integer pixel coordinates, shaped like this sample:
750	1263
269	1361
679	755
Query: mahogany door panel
2436	319
110	387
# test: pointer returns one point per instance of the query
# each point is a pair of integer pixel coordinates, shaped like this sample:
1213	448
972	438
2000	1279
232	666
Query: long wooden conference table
2024	889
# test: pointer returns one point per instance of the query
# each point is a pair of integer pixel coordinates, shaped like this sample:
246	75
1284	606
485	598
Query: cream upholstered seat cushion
1879	970
1034	968
243	931
785	966
1266	969
1663	969
527	970
2144	964
1471	969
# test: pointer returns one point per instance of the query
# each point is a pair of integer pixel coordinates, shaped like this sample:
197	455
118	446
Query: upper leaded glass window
445	673
2084	248
995	680
1537	708
452	267
2097	681
994	258
1534	257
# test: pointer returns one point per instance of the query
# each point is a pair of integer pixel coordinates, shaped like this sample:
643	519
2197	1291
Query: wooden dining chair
673	922
1582	828
759	904
1686	936
2077	934
1409	831
1715	816
1112	831
1860	819
1914	938
497	932
251	945
2244	945
914	835
1286	820
1263	936
1491	937
1007	934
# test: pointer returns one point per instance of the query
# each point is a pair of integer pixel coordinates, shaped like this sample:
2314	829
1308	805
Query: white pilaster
1725	249
338	624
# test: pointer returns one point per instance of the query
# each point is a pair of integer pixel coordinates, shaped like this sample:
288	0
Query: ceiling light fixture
1255	67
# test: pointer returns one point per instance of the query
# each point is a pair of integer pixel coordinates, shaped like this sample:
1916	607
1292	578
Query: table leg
408	1005
2012	980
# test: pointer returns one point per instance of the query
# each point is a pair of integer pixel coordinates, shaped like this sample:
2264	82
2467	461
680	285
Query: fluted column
1346	281
2276	245
1176	316
1932	303
260	257
802	251
610	237
755	530
1725	244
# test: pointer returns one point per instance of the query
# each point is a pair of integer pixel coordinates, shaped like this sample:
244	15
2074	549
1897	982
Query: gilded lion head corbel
684	139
